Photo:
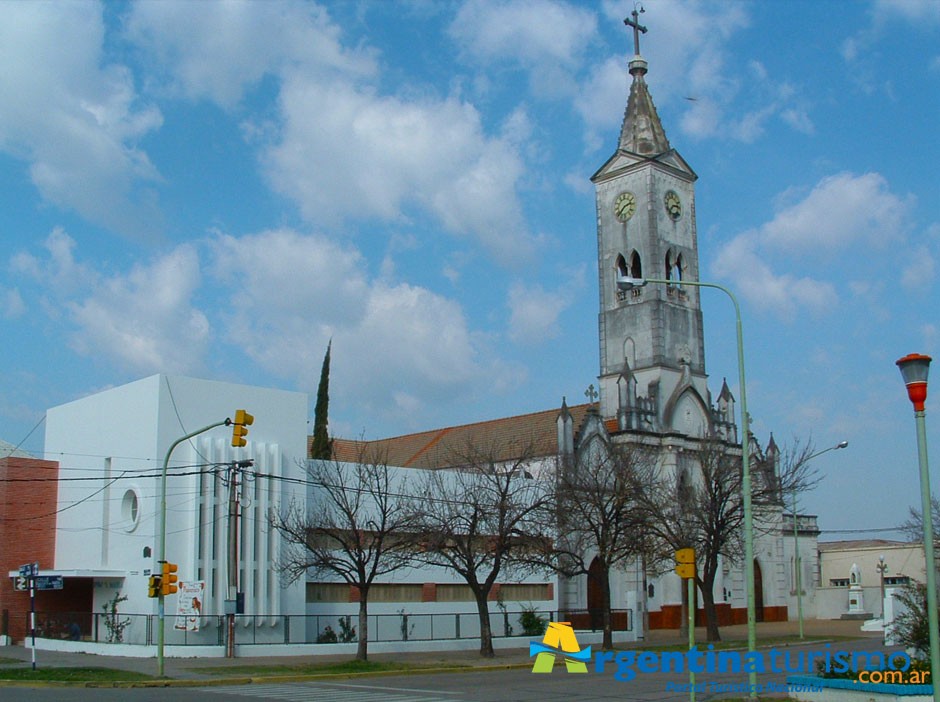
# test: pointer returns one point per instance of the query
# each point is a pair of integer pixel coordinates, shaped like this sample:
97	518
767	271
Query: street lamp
882	568
161	605
797	560
914	368
627	283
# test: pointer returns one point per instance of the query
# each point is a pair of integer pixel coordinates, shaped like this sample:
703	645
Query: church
652	390
653	386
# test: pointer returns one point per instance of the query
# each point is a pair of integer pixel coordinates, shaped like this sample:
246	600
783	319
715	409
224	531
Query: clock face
625	206
673	205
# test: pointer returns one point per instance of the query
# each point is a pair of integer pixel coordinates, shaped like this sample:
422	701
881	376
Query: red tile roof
439	448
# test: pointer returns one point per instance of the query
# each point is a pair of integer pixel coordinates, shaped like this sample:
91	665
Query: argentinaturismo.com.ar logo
560	640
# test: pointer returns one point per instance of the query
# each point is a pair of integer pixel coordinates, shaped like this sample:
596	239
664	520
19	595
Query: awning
78	573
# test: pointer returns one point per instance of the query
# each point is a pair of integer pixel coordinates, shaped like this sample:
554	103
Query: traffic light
154	586
685	562
168	585
243	420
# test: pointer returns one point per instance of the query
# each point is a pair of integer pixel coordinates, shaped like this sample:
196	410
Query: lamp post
797	560
628	283
882	568
914	368
161	609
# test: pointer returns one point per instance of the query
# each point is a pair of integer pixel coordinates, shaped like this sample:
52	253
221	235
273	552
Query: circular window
130	510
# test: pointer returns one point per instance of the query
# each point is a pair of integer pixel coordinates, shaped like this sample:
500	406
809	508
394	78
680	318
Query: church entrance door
595	595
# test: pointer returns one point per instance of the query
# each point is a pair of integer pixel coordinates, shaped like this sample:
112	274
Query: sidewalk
189	668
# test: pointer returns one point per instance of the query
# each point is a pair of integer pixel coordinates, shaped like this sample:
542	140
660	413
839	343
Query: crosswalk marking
312	692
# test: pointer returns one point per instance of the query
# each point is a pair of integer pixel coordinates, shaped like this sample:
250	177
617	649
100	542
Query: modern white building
111	448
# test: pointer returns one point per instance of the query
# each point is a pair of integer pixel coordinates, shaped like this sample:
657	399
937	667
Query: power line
30	433
123	476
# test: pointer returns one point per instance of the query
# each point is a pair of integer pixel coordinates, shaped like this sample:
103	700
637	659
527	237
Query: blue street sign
49	582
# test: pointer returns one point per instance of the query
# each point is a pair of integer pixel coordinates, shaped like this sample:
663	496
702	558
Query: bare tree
701	506
594	513
913	527
357	529
476	520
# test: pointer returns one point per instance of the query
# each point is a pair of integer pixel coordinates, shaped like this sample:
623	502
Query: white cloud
60	272
545	37
365	155
369	156
798	119
74	117
11	304
916	12
753	277
702	119
920	270
143	321
751	126
846	215
534	313
840	209
218	50
390	340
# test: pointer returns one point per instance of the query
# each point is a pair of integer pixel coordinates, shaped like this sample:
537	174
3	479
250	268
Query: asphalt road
482	686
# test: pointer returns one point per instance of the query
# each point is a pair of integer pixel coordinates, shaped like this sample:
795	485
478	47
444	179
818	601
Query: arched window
622	271
677	275
669	265
684	488
636	268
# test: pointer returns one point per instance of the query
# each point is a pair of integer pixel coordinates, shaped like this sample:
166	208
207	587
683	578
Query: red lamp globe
914	368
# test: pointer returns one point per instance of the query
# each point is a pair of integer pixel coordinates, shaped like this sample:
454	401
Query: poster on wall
189	605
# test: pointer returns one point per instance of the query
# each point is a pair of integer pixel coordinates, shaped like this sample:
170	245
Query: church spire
642	132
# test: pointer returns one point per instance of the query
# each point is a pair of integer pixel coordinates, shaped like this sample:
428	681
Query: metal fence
141	629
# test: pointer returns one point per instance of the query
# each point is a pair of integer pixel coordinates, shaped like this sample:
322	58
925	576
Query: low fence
141	629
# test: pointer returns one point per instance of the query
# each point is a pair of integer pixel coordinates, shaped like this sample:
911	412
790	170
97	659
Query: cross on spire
591	393
637	28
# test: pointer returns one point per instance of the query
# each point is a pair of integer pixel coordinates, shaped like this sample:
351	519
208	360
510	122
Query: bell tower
652	371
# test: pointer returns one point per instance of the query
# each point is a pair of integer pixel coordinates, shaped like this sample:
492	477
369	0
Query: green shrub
532	623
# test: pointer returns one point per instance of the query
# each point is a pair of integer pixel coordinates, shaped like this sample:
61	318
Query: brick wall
27	530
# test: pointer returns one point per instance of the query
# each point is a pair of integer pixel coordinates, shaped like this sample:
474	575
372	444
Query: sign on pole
49	582
189	605
685	563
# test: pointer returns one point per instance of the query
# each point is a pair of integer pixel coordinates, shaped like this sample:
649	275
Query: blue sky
217	189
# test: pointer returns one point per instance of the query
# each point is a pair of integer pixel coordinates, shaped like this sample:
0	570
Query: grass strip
341	668
72	674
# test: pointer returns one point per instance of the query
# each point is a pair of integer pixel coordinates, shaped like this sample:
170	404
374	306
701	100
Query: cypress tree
322	446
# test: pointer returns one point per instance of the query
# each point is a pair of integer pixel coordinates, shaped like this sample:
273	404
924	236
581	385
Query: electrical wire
23	440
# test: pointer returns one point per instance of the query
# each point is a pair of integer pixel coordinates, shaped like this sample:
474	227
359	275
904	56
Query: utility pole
234	517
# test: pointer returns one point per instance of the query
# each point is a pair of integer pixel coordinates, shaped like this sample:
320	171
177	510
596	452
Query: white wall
122	435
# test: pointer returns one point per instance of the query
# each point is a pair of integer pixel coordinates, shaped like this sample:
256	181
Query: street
514	685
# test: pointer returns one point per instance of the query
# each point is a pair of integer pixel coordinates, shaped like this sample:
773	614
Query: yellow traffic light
154	586
685	562
168	584
243	420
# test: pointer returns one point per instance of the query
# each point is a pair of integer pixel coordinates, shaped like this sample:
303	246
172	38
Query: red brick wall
27	530
670	615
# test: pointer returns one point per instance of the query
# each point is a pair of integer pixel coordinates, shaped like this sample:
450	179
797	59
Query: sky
218	189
